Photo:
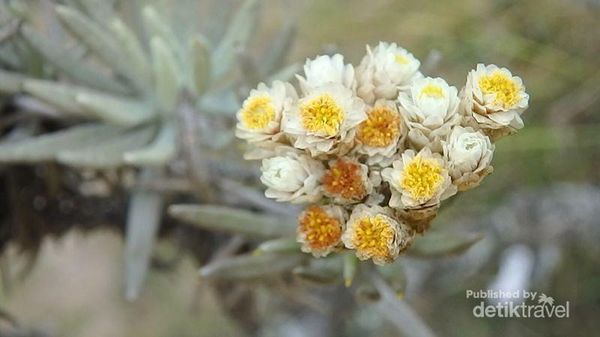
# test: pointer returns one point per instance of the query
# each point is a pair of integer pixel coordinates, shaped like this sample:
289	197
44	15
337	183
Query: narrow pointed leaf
100	11
350	267
443	243
233	220
166	78
240	29
99	41
143	220
108	153
70	63
45	147
156	26
200	56
251	267
133	50
115	110
159	152
282	245
60	95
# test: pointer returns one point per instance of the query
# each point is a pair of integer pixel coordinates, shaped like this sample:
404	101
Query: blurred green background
553	45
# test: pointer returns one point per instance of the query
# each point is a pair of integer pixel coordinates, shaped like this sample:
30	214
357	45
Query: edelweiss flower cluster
375	149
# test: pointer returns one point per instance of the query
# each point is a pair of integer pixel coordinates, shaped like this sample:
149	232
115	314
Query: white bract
469	154
292	176
385	70
430	109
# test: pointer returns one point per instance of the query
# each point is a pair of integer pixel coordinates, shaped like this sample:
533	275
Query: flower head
326	70
259	118
430	108
493	100
385	70
469	154
292	176
320	229
374	233
418	180
347	181
324	120
380	136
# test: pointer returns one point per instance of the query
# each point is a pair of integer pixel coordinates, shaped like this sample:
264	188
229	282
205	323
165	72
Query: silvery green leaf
109	152
222	102
282	245
10	83
350	267
242	26
322	271
100	11
200	56
143	219
156	26
46	146
116	110
443	243
251	267
166	77
99	41
233	220
159	152
8	56
70	63
60	95
133	50
286	73
279	49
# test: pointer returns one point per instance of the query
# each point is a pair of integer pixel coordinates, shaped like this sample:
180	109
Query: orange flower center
344	179
380	128
320	229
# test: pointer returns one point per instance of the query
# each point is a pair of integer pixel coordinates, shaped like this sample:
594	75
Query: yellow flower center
401	59
422	178
258	112
373	236
432	91
320	229
505	89
344	179
322	115
380	128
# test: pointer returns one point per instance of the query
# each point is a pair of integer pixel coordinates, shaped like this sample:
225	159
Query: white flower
385	70
493	99
430	109
326	70
382	134
347	181
259	118
324	121
418	180
320	229
374	233
469	154
292	176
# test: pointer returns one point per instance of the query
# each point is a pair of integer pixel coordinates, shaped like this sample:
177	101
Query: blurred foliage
54	96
